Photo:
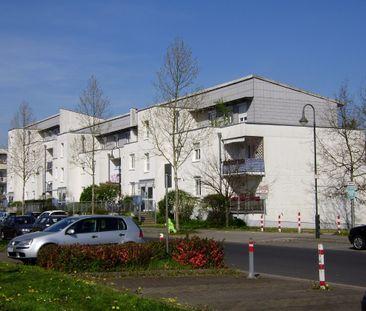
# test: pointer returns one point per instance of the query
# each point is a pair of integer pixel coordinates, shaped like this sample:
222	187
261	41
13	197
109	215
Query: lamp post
119	167
303	121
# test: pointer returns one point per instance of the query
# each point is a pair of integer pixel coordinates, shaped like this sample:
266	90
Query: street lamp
111	156
303	121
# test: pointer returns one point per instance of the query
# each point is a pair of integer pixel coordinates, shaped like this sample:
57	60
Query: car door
112	230
85	232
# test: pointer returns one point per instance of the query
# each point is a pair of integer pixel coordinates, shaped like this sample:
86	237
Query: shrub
187	203
81	258
198	253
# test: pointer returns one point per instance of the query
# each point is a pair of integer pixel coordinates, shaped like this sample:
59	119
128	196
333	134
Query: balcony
249	166
247	205
2	179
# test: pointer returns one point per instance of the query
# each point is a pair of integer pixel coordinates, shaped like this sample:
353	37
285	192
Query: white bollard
322	283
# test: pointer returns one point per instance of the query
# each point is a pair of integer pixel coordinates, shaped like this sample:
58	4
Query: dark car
46	221
16	225
363	303
34	214
357	237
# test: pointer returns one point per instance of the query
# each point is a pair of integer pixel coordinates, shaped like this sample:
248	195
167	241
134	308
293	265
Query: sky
49	49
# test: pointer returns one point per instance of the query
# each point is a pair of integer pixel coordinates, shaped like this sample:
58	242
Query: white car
86	230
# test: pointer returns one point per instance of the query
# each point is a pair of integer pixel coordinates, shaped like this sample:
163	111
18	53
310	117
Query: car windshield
58	226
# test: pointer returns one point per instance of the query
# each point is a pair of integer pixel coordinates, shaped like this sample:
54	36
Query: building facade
3	176
250	131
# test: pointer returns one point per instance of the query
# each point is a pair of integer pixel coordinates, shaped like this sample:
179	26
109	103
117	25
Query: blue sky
49	49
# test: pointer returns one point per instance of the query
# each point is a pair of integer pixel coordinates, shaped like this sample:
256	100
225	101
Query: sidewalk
237	293
308	240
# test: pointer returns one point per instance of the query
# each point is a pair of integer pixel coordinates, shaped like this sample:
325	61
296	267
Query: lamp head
303	120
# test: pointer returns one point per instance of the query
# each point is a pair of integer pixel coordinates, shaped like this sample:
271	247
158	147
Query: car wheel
359	242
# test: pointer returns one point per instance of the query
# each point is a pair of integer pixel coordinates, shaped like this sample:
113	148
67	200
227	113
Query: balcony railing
3	179
247	205
243	166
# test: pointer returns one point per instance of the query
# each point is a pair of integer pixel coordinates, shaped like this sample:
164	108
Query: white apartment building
259	139
3	175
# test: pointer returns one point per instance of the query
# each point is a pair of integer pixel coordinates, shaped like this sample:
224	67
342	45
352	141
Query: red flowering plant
198	253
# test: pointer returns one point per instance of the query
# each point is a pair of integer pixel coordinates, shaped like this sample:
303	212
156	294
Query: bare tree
212	178
25	150
343	152
93	108
172	125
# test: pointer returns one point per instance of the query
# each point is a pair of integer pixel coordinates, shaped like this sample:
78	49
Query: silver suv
96	229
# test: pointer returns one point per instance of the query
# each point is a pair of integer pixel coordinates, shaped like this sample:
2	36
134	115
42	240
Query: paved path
237	293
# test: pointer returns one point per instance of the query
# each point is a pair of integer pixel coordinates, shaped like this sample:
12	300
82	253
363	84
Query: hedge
195	253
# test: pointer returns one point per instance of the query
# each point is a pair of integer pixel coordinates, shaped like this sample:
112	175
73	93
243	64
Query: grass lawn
33	288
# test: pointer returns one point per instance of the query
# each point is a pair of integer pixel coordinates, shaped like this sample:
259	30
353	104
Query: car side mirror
70	231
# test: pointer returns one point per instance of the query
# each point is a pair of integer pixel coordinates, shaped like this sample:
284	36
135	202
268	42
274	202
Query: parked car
34	214
363	303
46	221
53	212
357	237
95	229
16	225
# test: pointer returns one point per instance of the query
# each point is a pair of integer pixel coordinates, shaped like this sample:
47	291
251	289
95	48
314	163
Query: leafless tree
93	108
172	125
25	148
212	178
343	152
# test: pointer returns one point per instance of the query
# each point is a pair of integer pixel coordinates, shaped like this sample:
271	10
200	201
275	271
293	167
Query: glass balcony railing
243	166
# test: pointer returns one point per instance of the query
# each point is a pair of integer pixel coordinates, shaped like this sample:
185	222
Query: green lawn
32	288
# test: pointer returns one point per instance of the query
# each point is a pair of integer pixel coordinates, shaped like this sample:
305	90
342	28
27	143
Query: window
133	188
147	162
62	174
147	129
132	161
62	148
198	185
196	152
212	116
108	224
85	226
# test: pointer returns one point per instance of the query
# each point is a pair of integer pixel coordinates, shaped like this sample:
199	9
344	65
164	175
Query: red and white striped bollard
298	222
161	237
279	224
262	222
322	283
339	224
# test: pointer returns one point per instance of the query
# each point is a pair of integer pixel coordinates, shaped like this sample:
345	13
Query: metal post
304	121
45	175
166	214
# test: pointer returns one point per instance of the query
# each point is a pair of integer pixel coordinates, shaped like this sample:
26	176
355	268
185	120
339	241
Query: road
341	266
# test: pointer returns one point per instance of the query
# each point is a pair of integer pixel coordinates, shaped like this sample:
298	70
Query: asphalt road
341	266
